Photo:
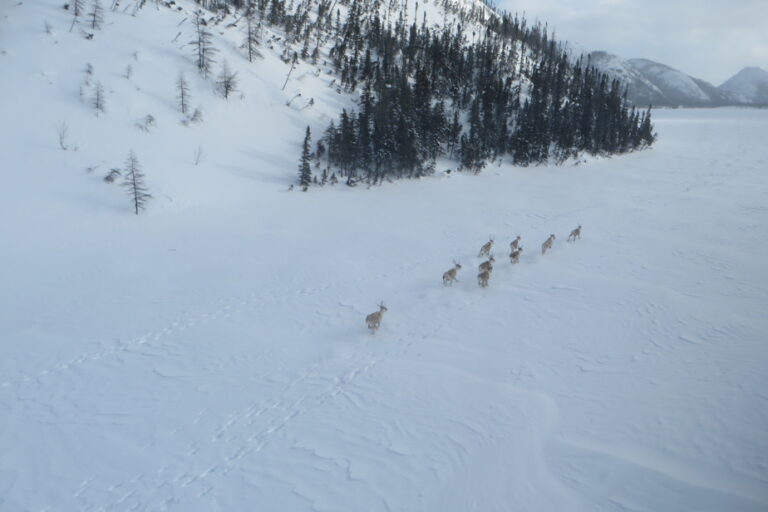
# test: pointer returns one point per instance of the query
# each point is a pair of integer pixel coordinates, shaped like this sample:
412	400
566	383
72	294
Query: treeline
508	91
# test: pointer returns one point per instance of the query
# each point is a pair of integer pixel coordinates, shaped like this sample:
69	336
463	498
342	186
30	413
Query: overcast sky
708	39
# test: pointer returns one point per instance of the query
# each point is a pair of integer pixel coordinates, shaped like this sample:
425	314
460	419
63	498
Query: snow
211	353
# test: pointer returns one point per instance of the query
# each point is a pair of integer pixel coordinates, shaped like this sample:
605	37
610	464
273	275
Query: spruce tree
133	182
305	171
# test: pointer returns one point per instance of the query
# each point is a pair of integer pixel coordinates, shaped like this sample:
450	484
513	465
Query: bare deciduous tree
113	174
197	116
147	123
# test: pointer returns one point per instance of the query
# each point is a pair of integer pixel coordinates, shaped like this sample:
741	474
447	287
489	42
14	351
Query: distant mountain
642	91
750	85
658	84
679	88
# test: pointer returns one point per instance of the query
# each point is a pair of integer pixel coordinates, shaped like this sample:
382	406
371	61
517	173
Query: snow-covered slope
750	85
211	353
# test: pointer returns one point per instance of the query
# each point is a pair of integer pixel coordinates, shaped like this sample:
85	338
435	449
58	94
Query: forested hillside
455	79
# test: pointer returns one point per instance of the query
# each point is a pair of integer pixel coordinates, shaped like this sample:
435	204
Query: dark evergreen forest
509	91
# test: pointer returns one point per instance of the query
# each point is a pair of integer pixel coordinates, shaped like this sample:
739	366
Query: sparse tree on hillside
204	49
78	9
96	16
133	182
63	130
99	100
251	41
227	81
182	94
305	171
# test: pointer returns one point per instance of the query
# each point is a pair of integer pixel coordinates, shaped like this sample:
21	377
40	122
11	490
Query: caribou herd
485	268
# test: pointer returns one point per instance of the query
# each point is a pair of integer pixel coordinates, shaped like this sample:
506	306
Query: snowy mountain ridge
658	84
750	85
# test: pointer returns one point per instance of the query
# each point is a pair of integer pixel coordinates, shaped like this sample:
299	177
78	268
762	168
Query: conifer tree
99	101
133	182
183	94
78	9
227	81
203	47
305	171
96	16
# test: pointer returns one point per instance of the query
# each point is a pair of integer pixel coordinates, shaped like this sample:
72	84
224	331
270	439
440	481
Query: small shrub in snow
146	123
197	116
96	16
113	174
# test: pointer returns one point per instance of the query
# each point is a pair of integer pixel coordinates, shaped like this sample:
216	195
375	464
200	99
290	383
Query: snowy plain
211	353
